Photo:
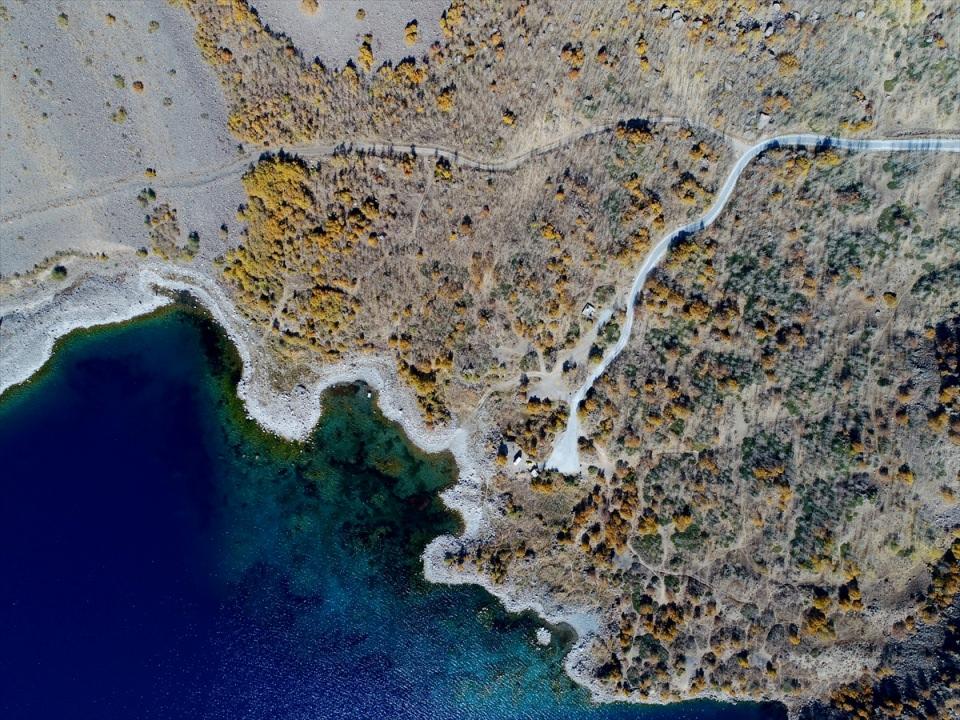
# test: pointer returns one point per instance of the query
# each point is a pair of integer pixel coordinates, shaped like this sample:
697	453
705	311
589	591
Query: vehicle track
318	151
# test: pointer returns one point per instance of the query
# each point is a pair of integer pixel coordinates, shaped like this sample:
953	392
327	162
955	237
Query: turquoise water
163	558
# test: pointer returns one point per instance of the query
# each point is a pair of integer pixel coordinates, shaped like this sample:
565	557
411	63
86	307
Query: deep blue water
160	557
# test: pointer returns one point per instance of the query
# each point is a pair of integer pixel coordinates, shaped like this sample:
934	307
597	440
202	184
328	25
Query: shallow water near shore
164	558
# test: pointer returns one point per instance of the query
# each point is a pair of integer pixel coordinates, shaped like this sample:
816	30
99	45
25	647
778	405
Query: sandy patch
76	119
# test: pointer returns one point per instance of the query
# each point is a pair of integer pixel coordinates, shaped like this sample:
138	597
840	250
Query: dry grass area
775	458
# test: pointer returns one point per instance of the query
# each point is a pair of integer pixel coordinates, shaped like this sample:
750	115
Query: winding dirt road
565	456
